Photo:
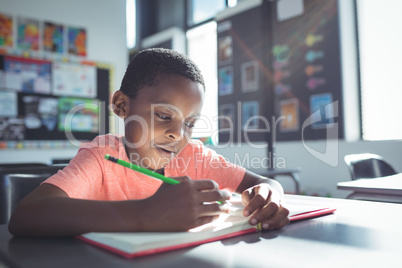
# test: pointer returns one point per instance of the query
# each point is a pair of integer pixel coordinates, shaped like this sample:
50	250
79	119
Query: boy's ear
120	104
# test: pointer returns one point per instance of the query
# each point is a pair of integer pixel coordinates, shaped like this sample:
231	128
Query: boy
160	98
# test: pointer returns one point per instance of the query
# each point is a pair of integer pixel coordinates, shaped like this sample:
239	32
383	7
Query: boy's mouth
166	151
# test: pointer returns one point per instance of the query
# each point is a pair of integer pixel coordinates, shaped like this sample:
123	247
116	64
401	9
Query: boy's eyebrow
167	106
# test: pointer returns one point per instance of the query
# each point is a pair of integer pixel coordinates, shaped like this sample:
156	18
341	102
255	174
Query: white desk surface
358	234
390	185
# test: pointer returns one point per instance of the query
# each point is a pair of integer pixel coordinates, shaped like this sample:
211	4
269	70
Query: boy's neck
160	171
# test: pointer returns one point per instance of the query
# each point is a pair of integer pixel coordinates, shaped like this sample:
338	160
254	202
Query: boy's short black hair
150	66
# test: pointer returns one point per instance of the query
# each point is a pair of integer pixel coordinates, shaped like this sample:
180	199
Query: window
202	10
201	48
380	42
130	23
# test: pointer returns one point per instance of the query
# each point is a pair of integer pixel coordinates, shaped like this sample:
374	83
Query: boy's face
160	121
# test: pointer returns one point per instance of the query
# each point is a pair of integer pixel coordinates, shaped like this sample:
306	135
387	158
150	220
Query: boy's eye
162	116
189	124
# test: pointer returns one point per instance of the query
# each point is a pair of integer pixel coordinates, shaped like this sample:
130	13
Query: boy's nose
175	131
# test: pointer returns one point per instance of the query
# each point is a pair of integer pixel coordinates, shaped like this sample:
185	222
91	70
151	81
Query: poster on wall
322	110
28	34
71	79
80	115
8	104
226	116
11	128
6	30
250	76
289	115
53	37
225	81
225	50
77	41
40	112
27	75
250	115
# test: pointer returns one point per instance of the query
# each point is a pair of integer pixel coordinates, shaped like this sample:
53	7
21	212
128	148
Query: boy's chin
163	162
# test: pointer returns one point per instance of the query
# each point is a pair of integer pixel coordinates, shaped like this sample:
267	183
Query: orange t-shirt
90	176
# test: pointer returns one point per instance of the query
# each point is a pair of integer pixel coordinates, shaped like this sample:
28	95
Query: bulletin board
306	68
243	89
48	88
279	65
41	100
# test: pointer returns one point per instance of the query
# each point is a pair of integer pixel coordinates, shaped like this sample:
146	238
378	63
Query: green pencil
143	170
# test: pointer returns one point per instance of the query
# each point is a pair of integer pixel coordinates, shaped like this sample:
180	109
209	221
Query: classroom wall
105	23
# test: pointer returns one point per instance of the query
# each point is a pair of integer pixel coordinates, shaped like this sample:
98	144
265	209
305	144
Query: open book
229	225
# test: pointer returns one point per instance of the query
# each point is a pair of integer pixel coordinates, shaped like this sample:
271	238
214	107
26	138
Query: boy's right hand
183	206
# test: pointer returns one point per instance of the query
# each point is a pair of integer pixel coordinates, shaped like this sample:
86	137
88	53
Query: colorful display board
71	79
20	35
27	75
42	100
80	115
305	61
279	72
242	89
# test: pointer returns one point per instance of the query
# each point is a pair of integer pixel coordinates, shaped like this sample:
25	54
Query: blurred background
288	59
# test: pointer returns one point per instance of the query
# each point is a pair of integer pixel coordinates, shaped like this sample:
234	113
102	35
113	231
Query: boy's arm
251	179
262	198
48	211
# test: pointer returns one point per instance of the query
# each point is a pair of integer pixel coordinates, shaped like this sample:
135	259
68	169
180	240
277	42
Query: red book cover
132	245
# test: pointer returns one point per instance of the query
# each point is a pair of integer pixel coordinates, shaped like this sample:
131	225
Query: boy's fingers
182	179
277	221
261	195
246	197
262	191
213	209
256	203
215	195
202	185
273	215
268	210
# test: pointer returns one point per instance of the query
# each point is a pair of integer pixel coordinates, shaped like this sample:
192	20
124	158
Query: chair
16	183
292	173
60	161
20	165
368	166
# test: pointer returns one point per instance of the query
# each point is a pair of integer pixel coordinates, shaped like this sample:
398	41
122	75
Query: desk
386	189
359	234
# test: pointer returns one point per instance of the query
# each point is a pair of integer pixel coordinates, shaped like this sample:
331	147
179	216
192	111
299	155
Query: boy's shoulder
195	143
103	141
195	146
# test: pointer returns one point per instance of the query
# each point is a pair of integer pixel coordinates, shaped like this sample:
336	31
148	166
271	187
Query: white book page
225	224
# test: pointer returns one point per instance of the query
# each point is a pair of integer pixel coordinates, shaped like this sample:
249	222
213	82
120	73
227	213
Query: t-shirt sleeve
210	165
216	167
82	178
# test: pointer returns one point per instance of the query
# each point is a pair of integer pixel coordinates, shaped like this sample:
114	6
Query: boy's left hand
264	204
